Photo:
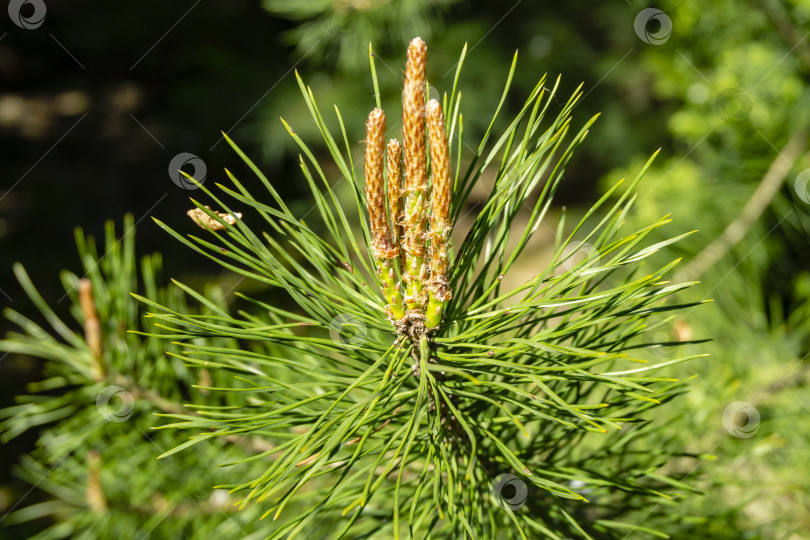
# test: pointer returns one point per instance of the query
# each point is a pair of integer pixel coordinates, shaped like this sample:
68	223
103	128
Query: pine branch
411	424
94	466
735	231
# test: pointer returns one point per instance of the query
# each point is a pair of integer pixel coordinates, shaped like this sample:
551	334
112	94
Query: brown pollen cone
375	188
413	135
439	218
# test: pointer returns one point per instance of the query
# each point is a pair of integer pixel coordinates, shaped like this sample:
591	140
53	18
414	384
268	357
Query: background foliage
723	96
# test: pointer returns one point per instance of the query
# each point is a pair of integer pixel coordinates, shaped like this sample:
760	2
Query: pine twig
438	287
94	491
413	137
385	253
92	327
787	29
759	201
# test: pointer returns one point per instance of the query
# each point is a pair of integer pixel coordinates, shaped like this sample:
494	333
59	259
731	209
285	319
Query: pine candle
403	237
386	254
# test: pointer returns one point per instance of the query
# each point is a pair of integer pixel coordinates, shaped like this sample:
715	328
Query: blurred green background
98	99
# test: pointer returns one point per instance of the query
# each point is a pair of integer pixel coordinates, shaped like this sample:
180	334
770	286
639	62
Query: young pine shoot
407	387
